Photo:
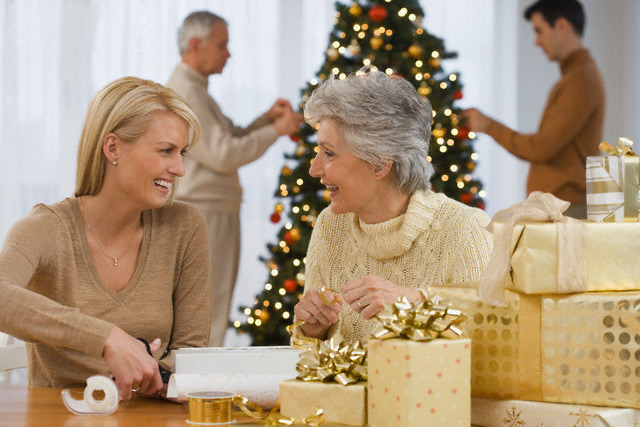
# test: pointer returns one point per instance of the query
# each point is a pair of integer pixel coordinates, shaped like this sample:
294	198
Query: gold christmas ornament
300	150
326	196
424	90
286	171
376	43
332	53
354	47
279	207
415	51
355	9
434	62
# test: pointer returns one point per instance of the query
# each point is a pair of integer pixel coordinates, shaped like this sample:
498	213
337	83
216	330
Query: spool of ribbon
423	321
89	405
216	408
572	246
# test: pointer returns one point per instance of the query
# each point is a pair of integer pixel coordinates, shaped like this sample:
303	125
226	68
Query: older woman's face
350	180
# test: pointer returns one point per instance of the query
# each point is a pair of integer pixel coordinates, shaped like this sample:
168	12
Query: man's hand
277	109
289	122
476	120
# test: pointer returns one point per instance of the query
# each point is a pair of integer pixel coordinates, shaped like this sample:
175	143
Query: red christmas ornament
480	205
457	94
292	236
466	198
290	285
463	133
275	217
377	13
294	137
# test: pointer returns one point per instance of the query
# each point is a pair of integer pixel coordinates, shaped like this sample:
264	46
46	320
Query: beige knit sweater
53	298
437	241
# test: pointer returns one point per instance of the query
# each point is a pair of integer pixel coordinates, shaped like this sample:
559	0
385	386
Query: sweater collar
193	75
394	237
576	59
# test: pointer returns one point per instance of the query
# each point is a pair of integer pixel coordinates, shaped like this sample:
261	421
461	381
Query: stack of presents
549	336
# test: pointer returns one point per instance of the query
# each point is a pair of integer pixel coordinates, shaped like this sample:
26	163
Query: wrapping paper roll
89	405
263	390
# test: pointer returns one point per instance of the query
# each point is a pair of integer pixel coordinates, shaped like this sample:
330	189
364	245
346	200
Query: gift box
495	412
419	383
340	403
613	185
579	348
610	262
253	372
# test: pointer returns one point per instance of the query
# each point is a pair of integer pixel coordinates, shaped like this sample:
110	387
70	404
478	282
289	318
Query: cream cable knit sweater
437	241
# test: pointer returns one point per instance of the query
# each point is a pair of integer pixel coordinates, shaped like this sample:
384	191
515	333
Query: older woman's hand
368	295
316	314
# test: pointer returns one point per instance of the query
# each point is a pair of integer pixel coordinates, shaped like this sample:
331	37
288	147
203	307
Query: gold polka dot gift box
556	342
422	377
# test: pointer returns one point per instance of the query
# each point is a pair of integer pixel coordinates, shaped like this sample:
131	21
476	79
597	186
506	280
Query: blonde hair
125	108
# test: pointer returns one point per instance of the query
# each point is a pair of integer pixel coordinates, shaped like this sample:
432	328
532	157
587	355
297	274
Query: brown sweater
570	130
53	298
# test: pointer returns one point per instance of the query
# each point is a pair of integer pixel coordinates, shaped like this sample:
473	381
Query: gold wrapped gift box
582	348
419	383
340	404
494	412
612	263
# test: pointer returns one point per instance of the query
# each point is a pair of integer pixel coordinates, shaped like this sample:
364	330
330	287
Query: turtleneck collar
394	237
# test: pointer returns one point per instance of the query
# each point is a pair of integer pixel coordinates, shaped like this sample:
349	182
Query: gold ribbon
277	419
217	407
424	321
333	360
631	175
572	246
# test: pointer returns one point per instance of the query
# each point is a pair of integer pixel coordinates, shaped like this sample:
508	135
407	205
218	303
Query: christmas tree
387	34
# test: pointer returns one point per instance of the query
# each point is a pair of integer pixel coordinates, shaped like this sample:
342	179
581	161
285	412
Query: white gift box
253	372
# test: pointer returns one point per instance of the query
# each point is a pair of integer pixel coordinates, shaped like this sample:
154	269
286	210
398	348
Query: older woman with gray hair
385	234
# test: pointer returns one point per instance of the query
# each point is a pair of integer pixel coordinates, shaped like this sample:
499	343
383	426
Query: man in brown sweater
571	125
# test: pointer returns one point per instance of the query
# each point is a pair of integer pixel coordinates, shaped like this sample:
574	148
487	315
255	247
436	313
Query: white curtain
57	53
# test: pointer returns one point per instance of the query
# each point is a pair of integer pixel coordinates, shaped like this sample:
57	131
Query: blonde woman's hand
316	314
130	364
368	295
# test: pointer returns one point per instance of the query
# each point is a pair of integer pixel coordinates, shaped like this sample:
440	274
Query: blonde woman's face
148	167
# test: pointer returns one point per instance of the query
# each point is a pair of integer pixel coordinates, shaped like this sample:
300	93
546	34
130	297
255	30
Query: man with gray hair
211	180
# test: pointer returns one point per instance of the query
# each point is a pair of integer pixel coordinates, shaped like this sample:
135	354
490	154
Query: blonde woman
385	233
82	279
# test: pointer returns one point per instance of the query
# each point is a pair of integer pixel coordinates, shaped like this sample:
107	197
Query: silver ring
135	390
359	305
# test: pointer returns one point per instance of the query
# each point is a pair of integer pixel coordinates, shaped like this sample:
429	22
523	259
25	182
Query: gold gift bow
572	246
275	418
423	321
333	360
631	177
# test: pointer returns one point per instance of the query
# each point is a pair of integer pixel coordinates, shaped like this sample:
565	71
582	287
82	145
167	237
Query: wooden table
44	407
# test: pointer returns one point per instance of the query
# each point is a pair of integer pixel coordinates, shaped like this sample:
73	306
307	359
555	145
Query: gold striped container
211	408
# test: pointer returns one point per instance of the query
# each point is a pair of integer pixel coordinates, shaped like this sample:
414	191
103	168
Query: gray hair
196	24
381	119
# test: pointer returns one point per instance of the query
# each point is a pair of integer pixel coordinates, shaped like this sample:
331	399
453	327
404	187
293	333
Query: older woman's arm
318	317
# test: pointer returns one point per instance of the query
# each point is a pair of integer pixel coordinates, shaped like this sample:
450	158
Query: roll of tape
89	405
